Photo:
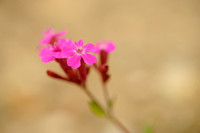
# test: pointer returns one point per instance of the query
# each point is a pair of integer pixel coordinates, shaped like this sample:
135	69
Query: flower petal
79	43
67	52
97	51
47	59
74	61
56	54
89	59
110	47
62	33
45	41
64	46
44	52
90	47
64	43
61	43
49	32
46	55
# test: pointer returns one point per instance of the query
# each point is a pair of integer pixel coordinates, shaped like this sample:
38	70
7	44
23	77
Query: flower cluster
76	59
73	56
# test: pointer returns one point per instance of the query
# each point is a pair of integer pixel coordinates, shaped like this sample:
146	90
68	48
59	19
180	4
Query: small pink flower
77	51
50	36
52	52
106	46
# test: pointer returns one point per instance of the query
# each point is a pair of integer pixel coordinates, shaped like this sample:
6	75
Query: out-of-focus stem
115	121
110	116
91	96
106	97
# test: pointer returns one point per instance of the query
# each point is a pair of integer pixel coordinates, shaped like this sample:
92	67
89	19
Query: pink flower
105	46
77	51
52	52
50	36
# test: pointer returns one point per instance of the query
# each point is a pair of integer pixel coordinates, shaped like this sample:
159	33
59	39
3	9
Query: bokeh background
155	69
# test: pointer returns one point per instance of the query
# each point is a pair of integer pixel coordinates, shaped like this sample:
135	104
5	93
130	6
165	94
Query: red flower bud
55	75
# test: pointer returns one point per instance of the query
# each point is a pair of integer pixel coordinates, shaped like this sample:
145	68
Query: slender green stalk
109	111
106	97
92	97
115	121
110	116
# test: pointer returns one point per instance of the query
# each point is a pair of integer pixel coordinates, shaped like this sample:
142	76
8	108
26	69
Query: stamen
79	50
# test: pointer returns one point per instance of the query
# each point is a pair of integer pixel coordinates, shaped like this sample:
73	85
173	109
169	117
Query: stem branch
111	117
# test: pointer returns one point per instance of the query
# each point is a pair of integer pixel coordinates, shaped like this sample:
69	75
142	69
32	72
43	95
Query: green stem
110	116
106	97
91	96
115	121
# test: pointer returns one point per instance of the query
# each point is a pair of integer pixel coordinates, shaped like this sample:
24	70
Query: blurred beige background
155	69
